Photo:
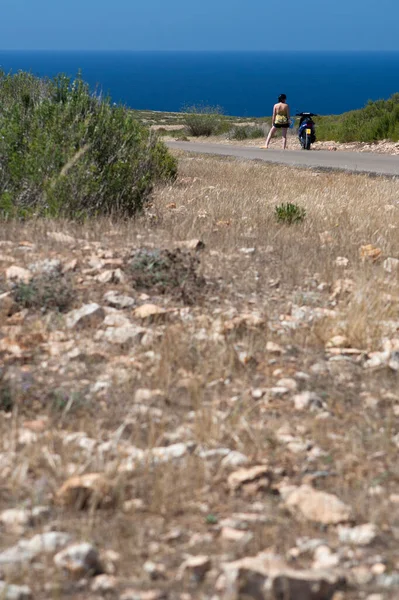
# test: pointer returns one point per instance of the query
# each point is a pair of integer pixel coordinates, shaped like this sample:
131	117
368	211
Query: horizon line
187	51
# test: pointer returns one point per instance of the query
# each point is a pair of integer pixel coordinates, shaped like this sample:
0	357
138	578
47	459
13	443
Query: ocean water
241	83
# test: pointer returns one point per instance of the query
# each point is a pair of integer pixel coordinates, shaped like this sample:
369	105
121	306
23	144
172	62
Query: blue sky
200	24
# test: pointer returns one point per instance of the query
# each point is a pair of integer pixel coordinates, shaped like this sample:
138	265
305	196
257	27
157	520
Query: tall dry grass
207	368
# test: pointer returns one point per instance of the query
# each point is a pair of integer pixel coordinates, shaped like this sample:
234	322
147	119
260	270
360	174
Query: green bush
376	121
289	213
66	152
246	132
45	292
203	120
6	397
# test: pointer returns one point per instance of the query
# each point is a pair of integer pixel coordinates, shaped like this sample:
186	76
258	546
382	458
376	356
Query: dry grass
206	366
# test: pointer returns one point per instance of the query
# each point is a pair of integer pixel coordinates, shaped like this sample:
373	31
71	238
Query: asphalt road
355	162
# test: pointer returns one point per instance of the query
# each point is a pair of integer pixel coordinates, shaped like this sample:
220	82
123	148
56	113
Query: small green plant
45	292
203	120
289	213
211	519
246	132
6	397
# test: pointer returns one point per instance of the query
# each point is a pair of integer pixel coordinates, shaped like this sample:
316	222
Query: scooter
306	129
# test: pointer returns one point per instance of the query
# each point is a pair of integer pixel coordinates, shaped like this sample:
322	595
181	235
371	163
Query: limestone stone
259	474
195	568
89	315
124	335
362	535
149	311
267	576
18	274
79	560
14	592
317	506
118	300
26	550
92	490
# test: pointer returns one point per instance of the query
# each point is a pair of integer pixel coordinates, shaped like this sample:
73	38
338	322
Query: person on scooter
280	120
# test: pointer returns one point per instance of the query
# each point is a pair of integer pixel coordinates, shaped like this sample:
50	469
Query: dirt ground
207	397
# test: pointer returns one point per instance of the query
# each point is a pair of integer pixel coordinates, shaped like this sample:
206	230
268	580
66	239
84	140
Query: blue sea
241	83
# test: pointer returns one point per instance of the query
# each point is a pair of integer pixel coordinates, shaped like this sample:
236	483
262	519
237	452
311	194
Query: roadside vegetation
66	152
376	121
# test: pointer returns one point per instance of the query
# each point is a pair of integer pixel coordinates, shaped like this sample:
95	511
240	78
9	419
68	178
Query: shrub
203	120
66	152
45	292
376	121
6	397
246	132
166	272
289	213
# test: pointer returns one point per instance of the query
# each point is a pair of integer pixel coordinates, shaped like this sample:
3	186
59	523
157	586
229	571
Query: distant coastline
241	83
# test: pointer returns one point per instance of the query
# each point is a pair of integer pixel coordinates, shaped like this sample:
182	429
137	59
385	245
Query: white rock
155	570
391	265
14	592
235	459
124	335
306	400
213	453
318	506
13	518
79	560
273	348
17	518
338	341
196	567
245	476
116	319
117	300
324	558
229	534
362	535
377	359
48	542
119	276
278	391
258	393
268	576
48	266
168	453
378	568
104	584
288	382
341	261
105	277
147	396
18	274
26	550
89	315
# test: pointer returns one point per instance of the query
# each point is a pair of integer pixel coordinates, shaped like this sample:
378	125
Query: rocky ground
204	403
